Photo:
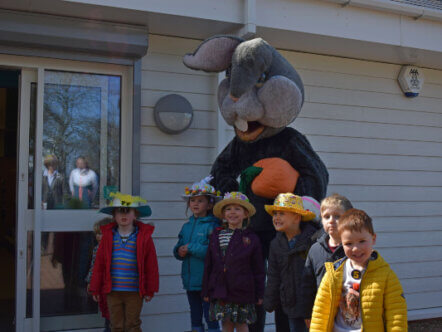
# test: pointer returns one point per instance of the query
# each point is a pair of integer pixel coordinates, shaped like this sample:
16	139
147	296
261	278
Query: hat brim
305	215
218	208
144	211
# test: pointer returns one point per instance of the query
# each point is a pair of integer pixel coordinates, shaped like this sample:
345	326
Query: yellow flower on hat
127	200
291	203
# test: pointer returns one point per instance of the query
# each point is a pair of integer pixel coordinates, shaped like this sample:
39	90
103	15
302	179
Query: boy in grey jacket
327	249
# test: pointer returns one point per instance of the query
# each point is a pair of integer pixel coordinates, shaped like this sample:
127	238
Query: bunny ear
214	54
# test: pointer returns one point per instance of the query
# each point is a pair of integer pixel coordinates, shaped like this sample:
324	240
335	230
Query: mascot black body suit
260	96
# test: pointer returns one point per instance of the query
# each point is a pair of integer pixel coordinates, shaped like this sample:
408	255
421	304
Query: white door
74	119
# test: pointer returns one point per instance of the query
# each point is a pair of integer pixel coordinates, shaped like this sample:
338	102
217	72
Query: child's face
358	246
235	214
98	236
330	217
199	205
285	221
124	216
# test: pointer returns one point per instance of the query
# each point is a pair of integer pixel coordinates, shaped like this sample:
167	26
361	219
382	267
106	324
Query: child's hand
147	298
206	299
182	251
259	302
307	322
96	298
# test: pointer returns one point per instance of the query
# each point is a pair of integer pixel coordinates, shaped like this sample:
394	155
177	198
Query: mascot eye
228	72
261	80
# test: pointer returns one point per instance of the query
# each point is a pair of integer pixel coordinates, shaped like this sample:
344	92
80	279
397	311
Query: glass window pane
81	139
65	262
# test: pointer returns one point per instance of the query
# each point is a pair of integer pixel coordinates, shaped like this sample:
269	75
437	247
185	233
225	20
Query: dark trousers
297	325
281	321
198	307
265	238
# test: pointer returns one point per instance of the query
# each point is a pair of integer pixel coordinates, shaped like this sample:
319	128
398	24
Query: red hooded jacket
101	281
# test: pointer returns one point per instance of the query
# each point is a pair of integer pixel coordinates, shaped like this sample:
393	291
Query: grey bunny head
261	94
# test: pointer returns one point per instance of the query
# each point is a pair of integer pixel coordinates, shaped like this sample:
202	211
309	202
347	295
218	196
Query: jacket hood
142	227
375	262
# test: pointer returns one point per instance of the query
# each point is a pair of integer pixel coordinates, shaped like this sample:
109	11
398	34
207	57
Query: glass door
73	123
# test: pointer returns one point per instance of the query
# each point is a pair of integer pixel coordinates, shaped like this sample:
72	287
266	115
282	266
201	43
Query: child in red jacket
126	267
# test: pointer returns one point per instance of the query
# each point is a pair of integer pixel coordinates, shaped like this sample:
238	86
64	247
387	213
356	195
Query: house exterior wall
382	150
171	162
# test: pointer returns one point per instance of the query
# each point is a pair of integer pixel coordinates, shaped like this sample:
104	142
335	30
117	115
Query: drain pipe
393	7
248	30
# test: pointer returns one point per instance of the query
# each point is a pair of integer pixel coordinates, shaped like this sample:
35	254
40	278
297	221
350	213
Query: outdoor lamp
173	114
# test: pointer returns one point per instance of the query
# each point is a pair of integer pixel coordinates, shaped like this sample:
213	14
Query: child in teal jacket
191	249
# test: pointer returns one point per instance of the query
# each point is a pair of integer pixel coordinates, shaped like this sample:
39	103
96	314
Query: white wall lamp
173	114
411	80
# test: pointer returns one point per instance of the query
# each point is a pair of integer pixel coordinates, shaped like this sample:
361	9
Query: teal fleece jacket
196	233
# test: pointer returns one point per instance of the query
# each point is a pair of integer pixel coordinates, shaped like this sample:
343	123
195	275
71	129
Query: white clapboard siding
383	151
171	162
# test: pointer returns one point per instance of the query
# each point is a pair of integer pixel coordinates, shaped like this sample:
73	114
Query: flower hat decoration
202	188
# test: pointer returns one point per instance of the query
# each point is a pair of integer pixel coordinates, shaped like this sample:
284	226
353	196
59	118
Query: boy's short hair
100	223
355	220
336	200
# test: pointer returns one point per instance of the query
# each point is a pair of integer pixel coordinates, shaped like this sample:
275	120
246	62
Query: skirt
236	313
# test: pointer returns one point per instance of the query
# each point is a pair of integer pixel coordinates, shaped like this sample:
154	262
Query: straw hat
202	188
128	201
233	197
291	203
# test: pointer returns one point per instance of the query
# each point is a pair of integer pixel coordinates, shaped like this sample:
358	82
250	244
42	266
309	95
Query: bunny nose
233	98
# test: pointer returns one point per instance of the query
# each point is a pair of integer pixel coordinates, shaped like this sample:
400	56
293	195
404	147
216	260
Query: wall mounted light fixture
173	114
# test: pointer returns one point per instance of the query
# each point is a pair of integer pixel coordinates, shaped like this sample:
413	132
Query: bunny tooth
241	124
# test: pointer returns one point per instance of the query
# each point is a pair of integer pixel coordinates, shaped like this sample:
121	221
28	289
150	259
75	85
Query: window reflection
81	139
65	262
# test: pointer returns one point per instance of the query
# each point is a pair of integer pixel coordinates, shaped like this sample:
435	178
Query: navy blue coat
285	271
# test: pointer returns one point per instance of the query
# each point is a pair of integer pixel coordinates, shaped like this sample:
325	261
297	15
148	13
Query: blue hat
125	200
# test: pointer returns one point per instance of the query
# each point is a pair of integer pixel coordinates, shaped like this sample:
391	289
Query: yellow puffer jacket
382	298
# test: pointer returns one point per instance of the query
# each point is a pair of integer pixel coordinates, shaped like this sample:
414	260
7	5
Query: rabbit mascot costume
260	96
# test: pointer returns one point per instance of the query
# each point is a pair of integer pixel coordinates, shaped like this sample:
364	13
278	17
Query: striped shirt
124	270
224	238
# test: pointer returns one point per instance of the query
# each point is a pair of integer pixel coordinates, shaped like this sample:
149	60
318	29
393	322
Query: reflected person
83	182
53	184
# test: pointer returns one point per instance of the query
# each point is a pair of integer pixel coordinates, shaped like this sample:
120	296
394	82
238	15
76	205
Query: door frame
38	220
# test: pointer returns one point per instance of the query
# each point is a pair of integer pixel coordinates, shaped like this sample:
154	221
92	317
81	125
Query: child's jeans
125	310
297	325
198	307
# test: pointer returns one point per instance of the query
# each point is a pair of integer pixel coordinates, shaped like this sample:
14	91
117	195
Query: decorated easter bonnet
124	200
291	203
233	197
311	204
202	188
